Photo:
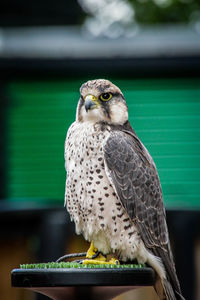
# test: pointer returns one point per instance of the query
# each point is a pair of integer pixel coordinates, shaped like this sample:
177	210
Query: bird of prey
113	192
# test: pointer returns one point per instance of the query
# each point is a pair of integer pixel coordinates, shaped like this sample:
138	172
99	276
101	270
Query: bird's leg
94	256
92	251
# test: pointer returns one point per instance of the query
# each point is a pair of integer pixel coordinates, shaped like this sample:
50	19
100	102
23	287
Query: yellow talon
112	261
99	259
91	251
93	262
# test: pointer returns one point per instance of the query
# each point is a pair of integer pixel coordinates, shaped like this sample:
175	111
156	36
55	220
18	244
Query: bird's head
101	101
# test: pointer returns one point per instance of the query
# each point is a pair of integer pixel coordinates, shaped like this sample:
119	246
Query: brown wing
135	179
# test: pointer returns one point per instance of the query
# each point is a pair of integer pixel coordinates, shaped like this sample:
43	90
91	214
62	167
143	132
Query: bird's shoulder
123	141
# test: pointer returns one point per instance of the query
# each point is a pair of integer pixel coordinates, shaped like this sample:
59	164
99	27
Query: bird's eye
106	96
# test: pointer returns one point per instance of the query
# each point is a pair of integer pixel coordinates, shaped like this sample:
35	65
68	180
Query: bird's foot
100	261
95	257
92	252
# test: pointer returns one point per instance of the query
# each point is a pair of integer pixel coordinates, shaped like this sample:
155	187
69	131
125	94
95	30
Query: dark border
185	66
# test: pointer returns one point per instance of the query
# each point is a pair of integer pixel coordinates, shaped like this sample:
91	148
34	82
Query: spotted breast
90	197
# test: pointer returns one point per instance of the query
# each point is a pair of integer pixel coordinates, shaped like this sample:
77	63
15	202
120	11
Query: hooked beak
90	102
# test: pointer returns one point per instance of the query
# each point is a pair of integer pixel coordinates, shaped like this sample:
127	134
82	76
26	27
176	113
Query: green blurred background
164	112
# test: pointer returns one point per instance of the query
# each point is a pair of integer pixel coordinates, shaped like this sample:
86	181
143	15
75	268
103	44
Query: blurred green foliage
166	11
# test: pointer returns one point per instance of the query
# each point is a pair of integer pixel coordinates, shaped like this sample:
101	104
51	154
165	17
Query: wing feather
136	182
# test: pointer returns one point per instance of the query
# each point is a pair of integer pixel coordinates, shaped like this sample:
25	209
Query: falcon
113	191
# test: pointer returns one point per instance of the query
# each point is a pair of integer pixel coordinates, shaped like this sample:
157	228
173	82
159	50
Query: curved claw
114	261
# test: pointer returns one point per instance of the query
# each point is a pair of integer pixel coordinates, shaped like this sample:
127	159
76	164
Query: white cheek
93	115
119	114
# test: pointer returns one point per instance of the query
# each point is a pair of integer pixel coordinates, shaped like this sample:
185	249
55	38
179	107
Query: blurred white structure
110	18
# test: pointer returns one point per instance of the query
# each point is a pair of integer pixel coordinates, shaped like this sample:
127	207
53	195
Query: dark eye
106	96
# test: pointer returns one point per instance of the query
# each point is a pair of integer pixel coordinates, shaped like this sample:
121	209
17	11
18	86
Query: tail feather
170	294
170	281
167	285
